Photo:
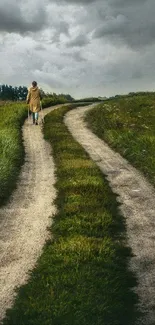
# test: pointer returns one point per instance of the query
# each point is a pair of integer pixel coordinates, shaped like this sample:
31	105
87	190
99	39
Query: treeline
55	96
89	99
10	93
141	93
133	94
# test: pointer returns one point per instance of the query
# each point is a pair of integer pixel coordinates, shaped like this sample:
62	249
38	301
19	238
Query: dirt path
137	199
24	221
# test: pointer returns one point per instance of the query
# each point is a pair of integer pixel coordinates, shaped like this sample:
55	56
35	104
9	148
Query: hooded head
34	84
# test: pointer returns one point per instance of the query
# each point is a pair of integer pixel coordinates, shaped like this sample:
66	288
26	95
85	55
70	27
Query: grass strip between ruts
127	125
82	277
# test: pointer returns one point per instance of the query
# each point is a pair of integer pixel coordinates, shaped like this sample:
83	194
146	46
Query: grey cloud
74	56
12	19
40	47
133	25
126	3
127	33
112	25
76	2
78	57
137	74
31	61
48	79
80	65
62	27
79	41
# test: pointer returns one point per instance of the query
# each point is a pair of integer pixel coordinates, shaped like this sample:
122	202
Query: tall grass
128	126
51	101
81	277
11	147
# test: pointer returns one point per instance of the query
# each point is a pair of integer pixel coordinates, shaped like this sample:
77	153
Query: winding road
137	198
26	217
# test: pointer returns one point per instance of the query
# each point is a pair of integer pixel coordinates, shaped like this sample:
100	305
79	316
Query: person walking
33	99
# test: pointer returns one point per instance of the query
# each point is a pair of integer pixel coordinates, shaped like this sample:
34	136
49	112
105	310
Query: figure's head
34	83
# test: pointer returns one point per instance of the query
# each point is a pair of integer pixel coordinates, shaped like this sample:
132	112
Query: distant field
127	124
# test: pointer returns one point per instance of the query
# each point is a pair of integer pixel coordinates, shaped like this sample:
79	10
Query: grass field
11	147
81	277
128	125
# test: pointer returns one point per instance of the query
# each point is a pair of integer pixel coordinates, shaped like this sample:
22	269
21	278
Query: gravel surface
26	217
137	198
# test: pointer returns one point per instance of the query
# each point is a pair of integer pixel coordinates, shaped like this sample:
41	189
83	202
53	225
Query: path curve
137	198
24	220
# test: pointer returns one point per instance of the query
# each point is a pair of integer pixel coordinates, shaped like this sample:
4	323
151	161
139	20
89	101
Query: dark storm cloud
79	46
129	22
13	20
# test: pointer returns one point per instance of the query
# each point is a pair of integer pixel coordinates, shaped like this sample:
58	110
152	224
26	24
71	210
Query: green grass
128	126
50	101
82	277
11	147
12	116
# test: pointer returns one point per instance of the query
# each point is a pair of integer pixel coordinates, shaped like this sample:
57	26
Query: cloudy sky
80	47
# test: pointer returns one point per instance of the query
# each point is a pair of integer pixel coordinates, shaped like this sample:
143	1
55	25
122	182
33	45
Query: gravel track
137	198
26	217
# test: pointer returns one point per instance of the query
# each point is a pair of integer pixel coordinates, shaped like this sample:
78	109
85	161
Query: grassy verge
81	277
12	116
127	125
11	147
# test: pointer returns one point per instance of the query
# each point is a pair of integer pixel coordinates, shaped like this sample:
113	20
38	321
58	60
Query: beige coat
33	99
